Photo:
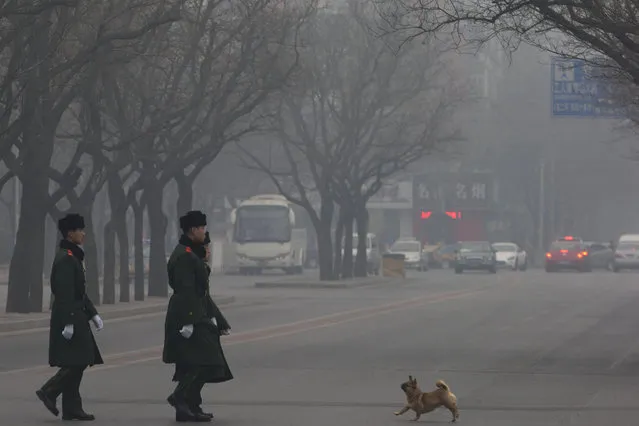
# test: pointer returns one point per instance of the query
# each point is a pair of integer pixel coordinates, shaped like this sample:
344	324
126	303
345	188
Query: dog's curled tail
442	385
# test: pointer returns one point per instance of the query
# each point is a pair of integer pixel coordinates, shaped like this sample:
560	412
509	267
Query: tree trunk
109	265
99	221
24	293
324	243
157	223
119	207
138	245
347	260
91	257
362	231
185	194
51	243
337	243
119	223
324	249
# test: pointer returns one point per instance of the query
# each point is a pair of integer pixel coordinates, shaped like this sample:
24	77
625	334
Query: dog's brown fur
425	402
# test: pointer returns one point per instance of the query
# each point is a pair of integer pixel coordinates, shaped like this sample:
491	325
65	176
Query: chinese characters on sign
477	191
453	191
578	91
426	193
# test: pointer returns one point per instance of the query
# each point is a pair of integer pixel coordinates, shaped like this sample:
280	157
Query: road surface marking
274	331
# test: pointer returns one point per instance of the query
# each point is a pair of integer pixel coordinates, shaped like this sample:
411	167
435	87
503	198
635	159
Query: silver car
626	256
412	251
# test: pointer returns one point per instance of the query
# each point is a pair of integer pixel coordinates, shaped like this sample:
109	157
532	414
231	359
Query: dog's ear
410	378
413	380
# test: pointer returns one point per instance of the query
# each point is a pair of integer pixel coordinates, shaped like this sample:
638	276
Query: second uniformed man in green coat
72	346
193	323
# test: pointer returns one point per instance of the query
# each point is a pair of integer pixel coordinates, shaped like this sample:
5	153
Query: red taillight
580	255
563	251
548	255
585	253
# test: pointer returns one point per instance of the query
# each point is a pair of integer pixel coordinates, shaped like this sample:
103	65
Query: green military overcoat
191	304
71	305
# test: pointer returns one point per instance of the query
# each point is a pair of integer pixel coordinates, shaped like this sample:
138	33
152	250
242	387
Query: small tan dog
425	402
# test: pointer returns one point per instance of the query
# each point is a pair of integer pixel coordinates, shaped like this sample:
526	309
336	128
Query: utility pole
552	226
542	208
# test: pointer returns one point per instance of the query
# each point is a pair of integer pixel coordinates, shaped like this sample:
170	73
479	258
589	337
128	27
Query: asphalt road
516	348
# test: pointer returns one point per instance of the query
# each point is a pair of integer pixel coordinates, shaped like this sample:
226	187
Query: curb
28	324
325	284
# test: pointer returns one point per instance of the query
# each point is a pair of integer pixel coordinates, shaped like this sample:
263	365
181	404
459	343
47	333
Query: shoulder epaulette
69	253
188	250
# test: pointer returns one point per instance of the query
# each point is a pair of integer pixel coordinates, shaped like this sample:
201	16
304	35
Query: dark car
602	255
568	254
475	256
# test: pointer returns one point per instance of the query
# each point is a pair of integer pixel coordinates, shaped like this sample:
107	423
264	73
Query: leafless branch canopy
604	32
360	109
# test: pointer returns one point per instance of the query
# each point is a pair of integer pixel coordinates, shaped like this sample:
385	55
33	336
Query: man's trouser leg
194	395
53	387
57	384
71	400
185	387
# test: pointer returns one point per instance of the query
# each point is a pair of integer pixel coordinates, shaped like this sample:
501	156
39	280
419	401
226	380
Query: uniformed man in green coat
72	346
193	323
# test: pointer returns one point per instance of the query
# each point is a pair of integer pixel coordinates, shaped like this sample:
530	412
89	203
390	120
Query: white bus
264	236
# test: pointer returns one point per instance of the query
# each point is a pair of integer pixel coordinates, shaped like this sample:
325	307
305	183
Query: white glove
187	331
97	321
214	321
225	332
67	333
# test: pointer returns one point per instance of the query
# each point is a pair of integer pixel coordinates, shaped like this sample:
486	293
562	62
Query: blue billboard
576	92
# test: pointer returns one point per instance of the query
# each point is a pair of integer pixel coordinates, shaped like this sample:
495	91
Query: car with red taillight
568	253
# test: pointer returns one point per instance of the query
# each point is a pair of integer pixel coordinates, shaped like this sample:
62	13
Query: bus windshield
263	224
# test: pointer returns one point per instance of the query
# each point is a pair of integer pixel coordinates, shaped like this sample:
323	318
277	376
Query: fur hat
192	219
70	222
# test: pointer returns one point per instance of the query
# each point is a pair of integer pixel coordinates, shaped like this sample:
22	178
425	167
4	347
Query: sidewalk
14	322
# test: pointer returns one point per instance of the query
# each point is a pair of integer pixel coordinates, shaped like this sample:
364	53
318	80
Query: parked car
373	253
510	255
475	255
602	255
414	258
626	256
443	257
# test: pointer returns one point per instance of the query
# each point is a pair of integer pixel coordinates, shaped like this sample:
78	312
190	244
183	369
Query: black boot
183	413
198	410
78	415
48	402
72	408
183	416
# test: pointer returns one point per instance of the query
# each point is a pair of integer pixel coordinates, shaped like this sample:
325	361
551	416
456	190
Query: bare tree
600	32
200	89
359	113
48	53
